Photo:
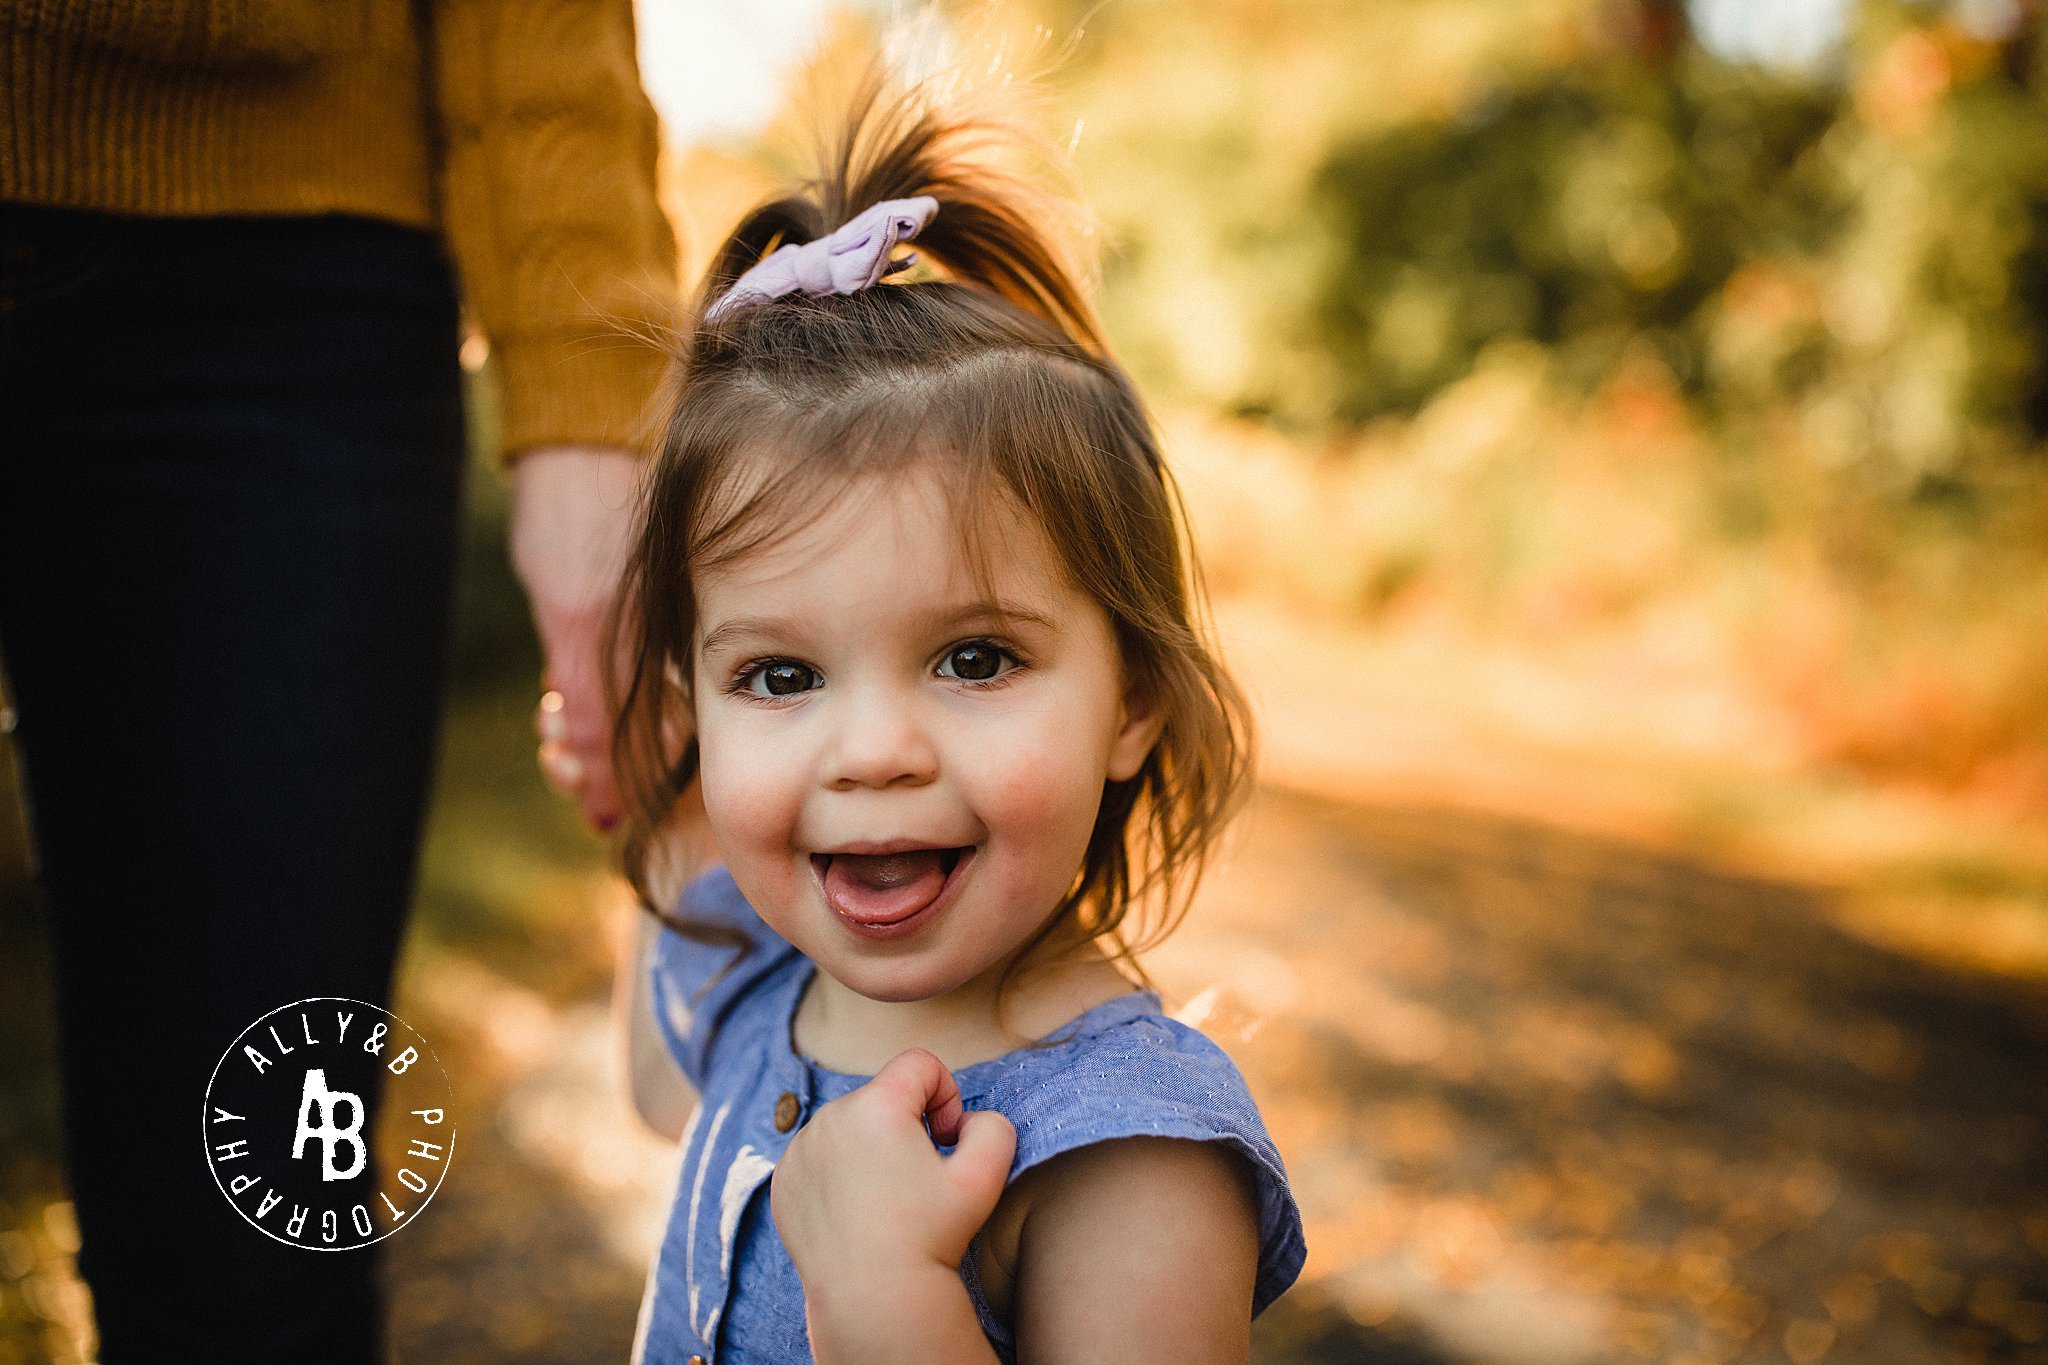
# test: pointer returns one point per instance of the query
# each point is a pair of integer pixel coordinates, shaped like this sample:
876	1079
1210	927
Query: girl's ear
1139	729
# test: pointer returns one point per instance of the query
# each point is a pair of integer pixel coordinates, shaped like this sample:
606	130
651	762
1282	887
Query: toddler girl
911	636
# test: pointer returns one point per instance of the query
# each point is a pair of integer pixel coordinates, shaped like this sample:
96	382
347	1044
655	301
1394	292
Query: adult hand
864	1200
572	518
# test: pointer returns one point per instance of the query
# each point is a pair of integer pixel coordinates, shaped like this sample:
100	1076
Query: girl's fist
863	1194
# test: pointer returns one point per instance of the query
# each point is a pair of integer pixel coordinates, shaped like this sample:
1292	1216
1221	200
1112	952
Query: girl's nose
879	743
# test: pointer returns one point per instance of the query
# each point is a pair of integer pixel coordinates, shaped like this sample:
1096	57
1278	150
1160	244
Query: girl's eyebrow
1005	613
728	633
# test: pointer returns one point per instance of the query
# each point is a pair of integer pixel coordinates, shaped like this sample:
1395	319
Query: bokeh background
1615	433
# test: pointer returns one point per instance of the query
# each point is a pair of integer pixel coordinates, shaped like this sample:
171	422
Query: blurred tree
1610	199
1869	246
1802	267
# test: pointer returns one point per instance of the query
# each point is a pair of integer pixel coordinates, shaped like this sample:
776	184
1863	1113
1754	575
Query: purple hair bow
843	262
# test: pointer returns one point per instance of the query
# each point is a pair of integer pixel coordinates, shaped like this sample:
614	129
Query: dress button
785	1112
696	1360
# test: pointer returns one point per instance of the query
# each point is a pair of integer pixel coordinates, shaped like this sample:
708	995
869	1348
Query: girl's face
854	697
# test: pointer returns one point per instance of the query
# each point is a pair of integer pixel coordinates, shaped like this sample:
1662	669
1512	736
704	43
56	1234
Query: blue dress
722	1287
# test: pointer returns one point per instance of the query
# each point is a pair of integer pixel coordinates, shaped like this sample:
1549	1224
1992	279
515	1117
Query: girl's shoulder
699	983
1133	1071
1127	1069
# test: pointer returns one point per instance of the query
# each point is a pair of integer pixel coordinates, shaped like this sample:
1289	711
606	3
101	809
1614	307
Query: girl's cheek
749	809
741	799
1031	799
1035	793
1052	759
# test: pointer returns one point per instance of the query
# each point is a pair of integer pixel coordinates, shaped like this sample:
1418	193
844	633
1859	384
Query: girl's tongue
881	888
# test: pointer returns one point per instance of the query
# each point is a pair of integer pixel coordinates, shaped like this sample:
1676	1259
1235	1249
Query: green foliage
1865	254
1606	200
1572	325
1301	235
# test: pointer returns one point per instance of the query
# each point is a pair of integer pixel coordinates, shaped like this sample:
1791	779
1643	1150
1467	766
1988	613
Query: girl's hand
864	1200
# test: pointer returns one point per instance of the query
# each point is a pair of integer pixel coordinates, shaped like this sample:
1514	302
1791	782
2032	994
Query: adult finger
596	791
584	720
574	670
563	770
548	721
602	805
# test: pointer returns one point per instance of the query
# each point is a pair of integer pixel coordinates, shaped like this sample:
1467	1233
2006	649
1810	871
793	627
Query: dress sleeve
1169	1080
548	198
697	984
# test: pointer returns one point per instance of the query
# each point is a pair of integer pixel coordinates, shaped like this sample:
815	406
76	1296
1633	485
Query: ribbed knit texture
516	127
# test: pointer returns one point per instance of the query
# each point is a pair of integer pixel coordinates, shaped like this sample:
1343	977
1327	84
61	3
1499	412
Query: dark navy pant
230	470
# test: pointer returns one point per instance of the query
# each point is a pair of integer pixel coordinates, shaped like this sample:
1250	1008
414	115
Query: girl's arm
926	1316
660	1094
1141	1249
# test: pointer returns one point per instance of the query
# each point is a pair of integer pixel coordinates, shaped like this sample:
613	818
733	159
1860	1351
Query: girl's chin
891	983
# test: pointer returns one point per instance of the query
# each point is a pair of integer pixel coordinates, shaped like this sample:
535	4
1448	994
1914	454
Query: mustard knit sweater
517	128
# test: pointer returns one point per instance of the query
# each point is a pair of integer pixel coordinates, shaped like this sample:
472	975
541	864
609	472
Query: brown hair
988	364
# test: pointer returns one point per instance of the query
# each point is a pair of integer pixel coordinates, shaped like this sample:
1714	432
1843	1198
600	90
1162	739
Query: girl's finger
981	1160
919	1082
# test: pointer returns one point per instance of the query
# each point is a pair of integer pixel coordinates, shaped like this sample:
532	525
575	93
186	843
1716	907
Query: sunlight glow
715	68
1794	33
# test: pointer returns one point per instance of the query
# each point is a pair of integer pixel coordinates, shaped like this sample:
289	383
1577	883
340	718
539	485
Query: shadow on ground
1552	1097
1544	1097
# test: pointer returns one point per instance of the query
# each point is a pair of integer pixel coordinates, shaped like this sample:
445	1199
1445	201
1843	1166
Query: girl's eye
779	678
978	661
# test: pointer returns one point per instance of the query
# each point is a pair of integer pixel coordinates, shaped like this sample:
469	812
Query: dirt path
1545	1098
1549	1098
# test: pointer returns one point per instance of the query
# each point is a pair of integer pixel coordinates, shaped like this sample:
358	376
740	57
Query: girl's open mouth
877	891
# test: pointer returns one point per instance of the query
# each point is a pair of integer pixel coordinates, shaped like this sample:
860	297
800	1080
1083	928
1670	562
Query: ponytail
901	146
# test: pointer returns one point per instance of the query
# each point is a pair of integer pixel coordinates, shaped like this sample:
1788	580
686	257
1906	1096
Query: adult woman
230	463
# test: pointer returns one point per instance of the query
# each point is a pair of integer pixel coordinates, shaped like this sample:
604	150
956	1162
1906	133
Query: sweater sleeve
549	206
219	35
